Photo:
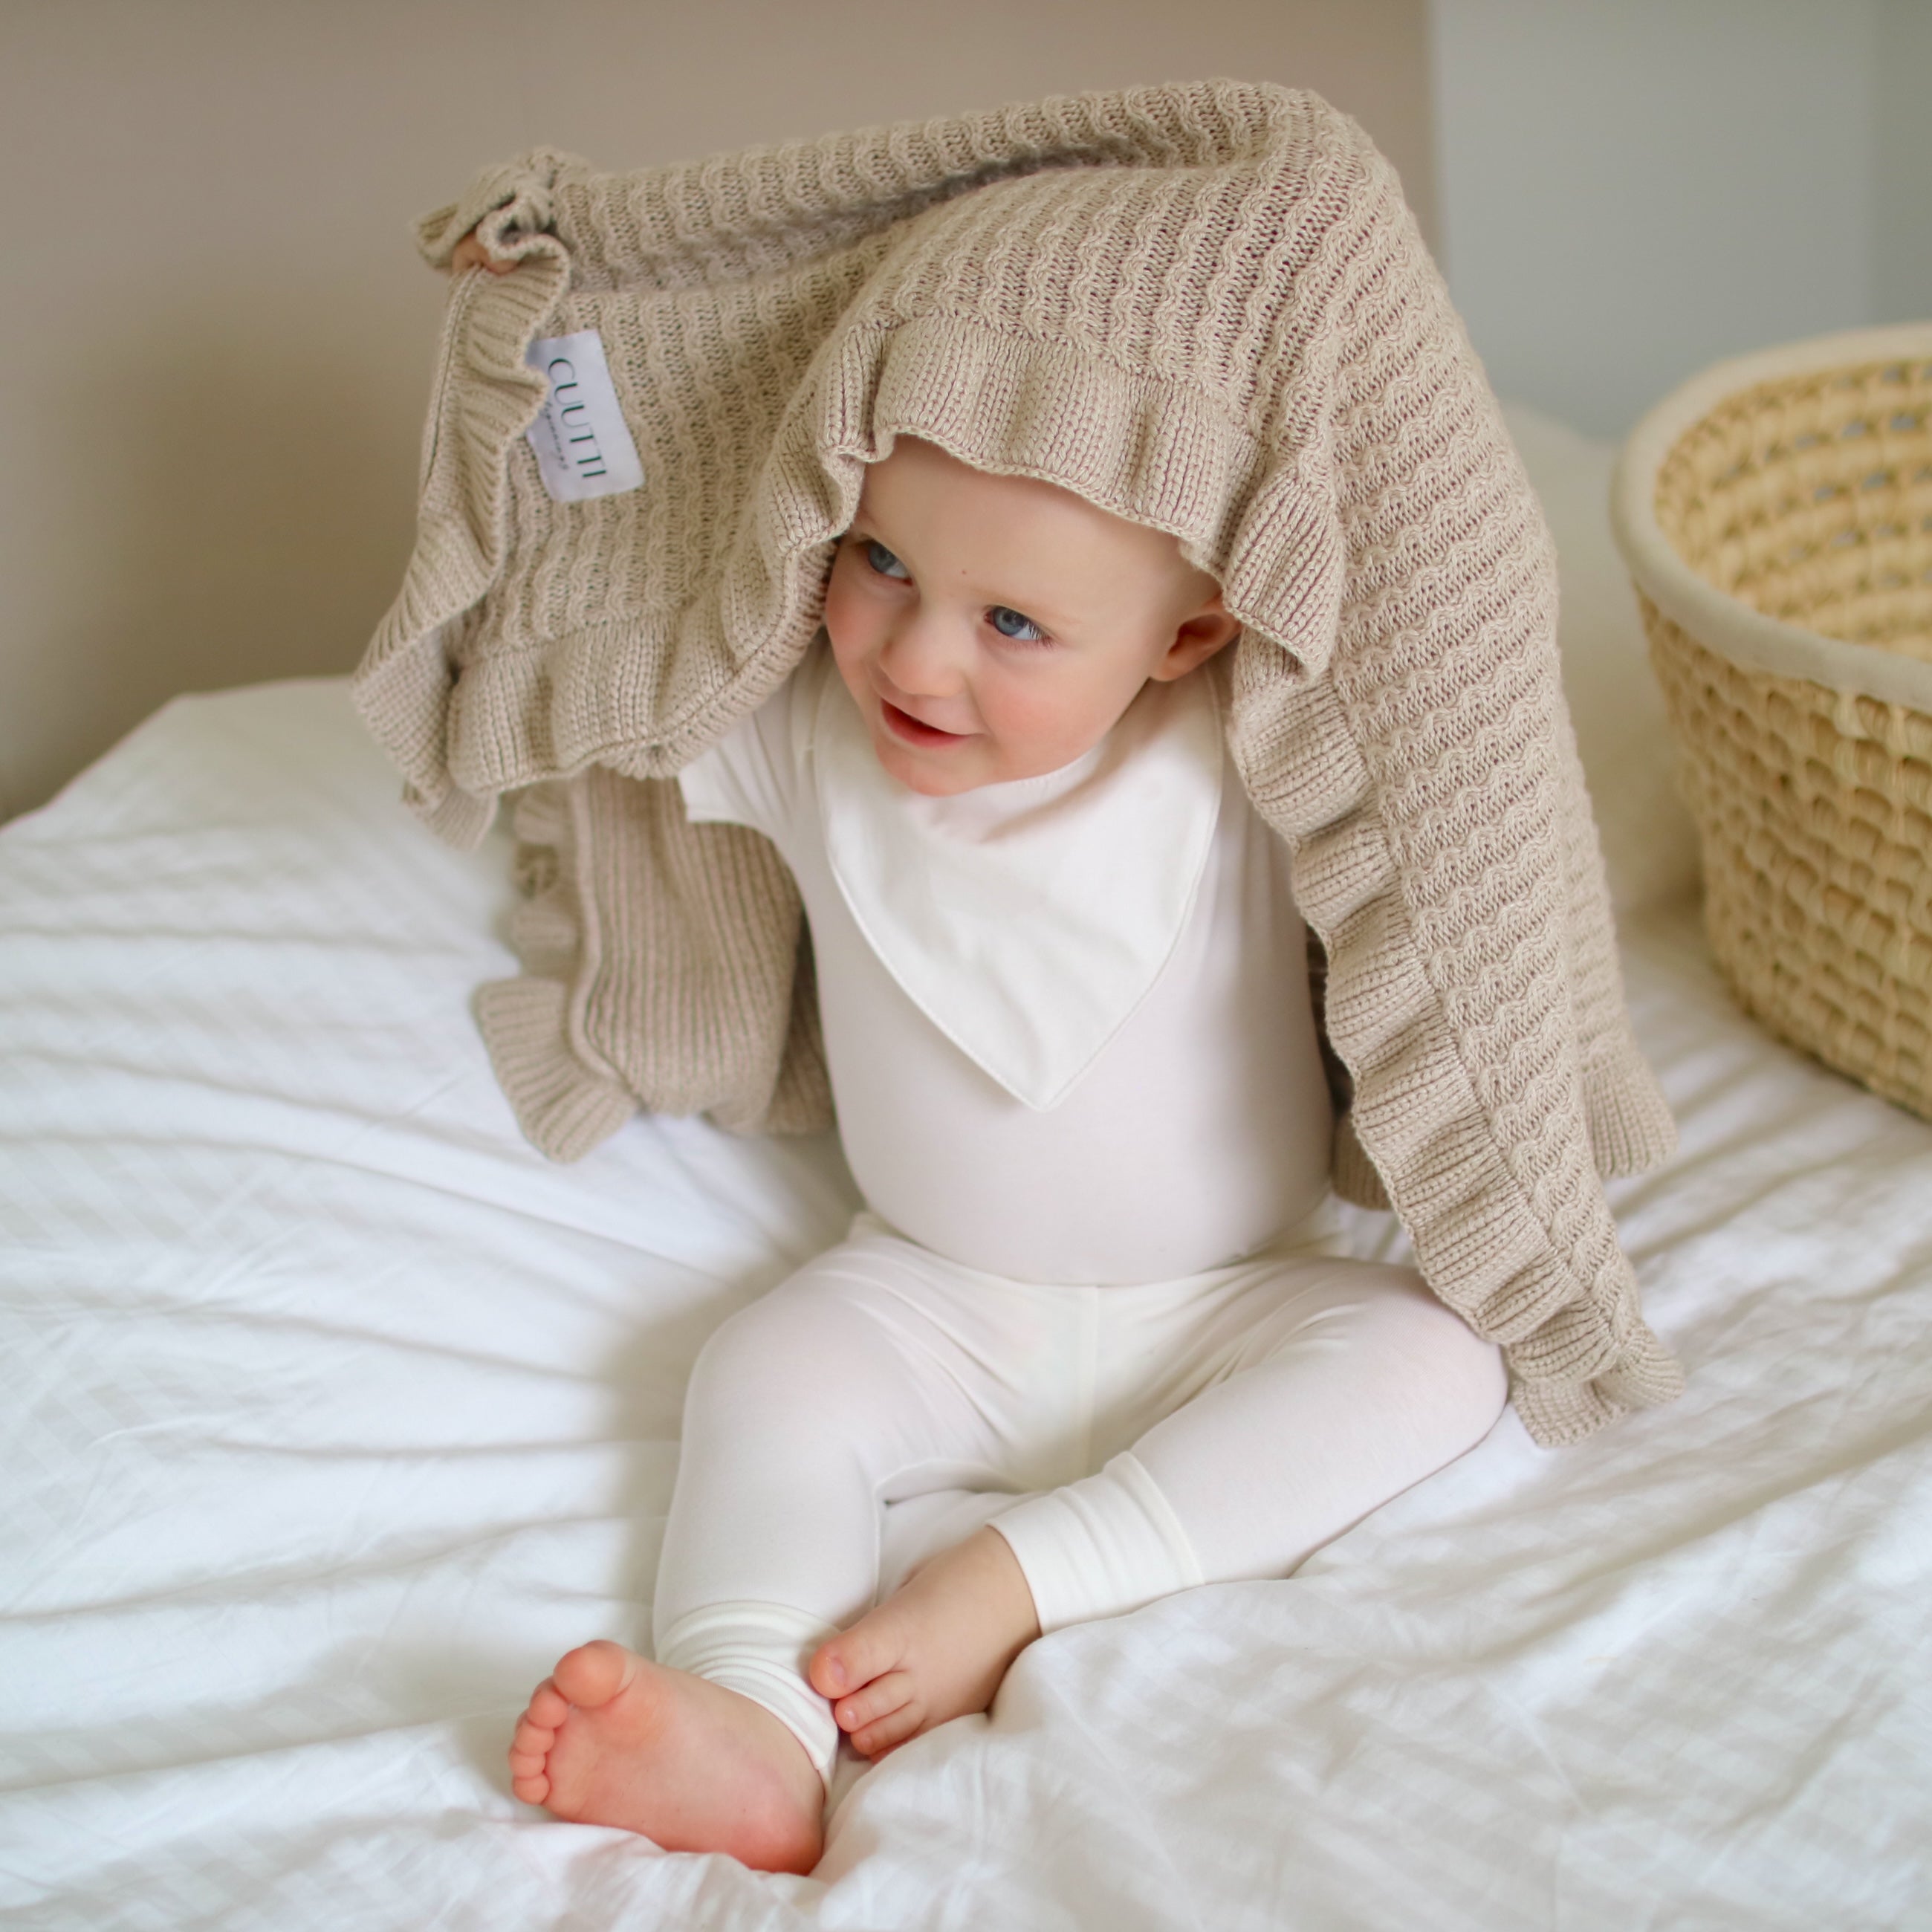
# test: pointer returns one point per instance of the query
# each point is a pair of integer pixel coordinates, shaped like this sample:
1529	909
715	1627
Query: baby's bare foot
610	1738
936	1648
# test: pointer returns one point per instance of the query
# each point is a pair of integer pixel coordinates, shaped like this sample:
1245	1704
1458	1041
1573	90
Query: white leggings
1238	1419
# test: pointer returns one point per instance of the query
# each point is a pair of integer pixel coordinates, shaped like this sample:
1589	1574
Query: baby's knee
760	1360
810	1343
1453	1384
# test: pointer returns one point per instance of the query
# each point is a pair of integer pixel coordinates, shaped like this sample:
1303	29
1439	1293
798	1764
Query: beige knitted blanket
1204	308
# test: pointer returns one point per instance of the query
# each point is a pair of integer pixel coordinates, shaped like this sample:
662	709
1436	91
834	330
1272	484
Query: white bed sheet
333	1413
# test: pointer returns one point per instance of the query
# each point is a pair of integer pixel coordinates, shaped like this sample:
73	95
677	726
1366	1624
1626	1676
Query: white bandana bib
1026	920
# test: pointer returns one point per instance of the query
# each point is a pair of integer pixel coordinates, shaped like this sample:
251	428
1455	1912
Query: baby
1084	1340
1073	394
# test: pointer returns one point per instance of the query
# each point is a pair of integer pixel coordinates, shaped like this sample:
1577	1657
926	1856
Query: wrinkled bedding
332	1413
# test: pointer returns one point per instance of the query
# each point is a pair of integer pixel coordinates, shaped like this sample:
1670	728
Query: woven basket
1776	513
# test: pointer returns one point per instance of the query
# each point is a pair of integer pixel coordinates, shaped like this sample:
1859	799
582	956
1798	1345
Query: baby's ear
1196	640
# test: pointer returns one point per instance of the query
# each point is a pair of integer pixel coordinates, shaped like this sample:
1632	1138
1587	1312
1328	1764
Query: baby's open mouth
904	725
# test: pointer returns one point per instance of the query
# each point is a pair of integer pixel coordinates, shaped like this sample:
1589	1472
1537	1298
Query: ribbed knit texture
1205	308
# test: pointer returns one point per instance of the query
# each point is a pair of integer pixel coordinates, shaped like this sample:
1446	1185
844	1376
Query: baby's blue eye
885	563
1011	623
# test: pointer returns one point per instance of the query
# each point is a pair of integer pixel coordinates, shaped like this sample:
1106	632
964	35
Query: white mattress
333	1413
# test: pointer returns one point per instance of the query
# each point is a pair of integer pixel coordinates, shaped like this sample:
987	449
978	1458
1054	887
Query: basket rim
1717	621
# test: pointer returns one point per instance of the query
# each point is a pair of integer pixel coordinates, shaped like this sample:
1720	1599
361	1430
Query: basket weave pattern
1810	498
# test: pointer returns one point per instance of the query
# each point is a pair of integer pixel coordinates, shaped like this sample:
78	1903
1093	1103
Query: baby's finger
469	254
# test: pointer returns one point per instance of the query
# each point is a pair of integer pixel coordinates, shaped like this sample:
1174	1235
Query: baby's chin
955	770
929	776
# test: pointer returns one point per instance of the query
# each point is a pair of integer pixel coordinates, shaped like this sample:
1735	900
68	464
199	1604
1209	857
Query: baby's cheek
1053	719
839	601
850	620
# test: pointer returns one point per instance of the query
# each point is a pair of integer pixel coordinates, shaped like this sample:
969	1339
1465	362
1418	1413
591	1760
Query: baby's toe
879	1698
531	1739
529	1787
589	1677
876	1739
548	1706
853	1658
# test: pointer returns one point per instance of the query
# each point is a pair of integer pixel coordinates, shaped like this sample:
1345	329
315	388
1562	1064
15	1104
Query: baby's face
993	627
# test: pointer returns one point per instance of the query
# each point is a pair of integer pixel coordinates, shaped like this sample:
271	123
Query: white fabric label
582	444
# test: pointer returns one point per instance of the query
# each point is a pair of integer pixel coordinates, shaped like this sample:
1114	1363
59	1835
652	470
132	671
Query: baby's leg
1341	1384
1307	1398
854	1380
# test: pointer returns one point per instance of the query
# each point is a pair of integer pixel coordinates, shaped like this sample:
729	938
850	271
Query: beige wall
1631	192
215	335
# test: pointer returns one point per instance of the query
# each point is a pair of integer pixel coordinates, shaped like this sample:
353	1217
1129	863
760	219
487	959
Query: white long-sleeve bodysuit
1069	1040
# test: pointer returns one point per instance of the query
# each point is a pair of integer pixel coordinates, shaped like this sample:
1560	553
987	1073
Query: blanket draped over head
1205	308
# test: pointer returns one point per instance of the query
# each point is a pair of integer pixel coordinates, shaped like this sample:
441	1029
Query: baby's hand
468	254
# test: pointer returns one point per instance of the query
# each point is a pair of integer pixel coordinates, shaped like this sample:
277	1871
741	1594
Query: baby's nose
923	659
